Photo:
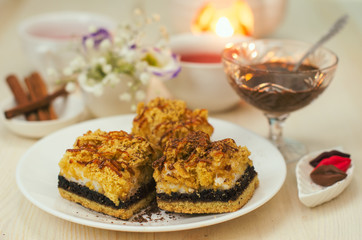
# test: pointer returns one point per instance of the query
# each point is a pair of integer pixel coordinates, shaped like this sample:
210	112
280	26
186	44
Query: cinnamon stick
37	89
43	87
20	96
33	94
31	106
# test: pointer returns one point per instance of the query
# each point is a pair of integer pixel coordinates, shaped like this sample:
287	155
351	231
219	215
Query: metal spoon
337	26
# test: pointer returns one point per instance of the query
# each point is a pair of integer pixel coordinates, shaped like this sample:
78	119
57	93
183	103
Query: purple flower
162	63
98	36
168	74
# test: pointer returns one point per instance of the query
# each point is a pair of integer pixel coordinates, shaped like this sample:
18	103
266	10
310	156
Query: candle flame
226	20
224	28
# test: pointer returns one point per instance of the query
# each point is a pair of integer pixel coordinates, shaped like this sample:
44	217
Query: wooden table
334	119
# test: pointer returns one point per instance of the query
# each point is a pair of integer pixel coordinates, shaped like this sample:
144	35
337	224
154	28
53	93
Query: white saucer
69	110
311	194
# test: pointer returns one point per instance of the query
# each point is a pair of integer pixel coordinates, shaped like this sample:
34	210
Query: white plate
68	109
37	173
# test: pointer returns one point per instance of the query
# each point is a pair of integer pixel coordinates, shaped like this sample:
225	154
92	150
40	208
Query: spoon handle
337	26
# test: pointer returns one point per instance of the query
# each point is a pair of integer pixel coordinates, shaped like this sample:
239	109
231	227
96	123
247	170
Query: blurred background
272	18
300	20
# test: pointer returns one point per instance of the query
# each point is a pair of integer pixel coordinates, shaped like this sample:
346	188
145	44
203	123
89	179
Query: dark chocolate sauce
274	88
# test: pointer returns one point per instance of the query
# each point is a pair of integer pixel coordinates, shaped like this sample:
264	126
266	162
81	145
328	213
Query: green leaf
96	73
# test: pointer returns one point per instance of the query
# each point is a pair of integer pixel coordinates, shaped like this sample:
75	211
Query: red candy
341	163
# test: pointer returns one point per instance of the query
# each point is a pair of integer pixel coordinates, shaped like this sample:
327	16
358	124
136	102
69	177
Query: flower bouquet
122	58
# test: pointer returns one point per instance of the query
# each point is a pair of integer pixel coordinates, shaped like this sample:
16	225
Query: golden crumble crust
195	162
163	119
113	163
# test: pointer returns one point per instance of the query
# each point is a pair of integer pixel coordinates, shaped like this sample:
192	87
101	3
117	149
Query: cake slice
108	172
195	175
163	119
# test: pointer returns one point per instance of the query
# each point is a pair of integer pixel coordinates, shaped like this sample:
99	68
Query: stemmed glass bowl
261	72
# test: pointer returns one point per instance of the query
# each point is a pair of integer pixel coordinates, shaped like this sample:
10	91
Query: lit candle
226	19
223	28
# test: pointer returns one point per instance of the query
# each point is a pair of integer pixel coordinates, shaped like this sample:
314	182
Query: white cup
50	40
202	84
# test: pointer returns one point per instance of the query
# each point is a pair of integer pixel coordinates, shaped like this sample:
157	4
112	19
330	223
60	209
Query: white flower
101	60
82	78
107	68
70	87
94	61
68	71
98	90
140	95
145	78
133	107
114	79
92	29
89	43
141	66
105	44
90	85
77	63
51	72
111	79
167	64
125	97
127	55
117	40
161	44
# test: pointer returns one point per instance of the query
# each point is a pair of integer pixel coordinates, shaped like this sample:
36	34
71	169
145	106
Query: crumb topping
195	163
113	163
163	119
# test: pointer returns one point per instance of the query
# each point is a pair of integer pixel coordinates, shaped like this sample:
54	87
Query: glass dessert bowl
262	73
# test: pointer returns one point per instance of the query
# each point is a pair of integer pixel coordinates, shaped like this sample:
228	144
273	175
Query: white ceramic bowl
311	194
69	111
50	40
202	85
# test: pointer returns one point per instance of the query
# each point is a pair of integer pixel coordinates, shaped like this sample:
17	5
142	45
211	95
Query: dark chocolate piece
324	155
327	175
94	196
210	195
